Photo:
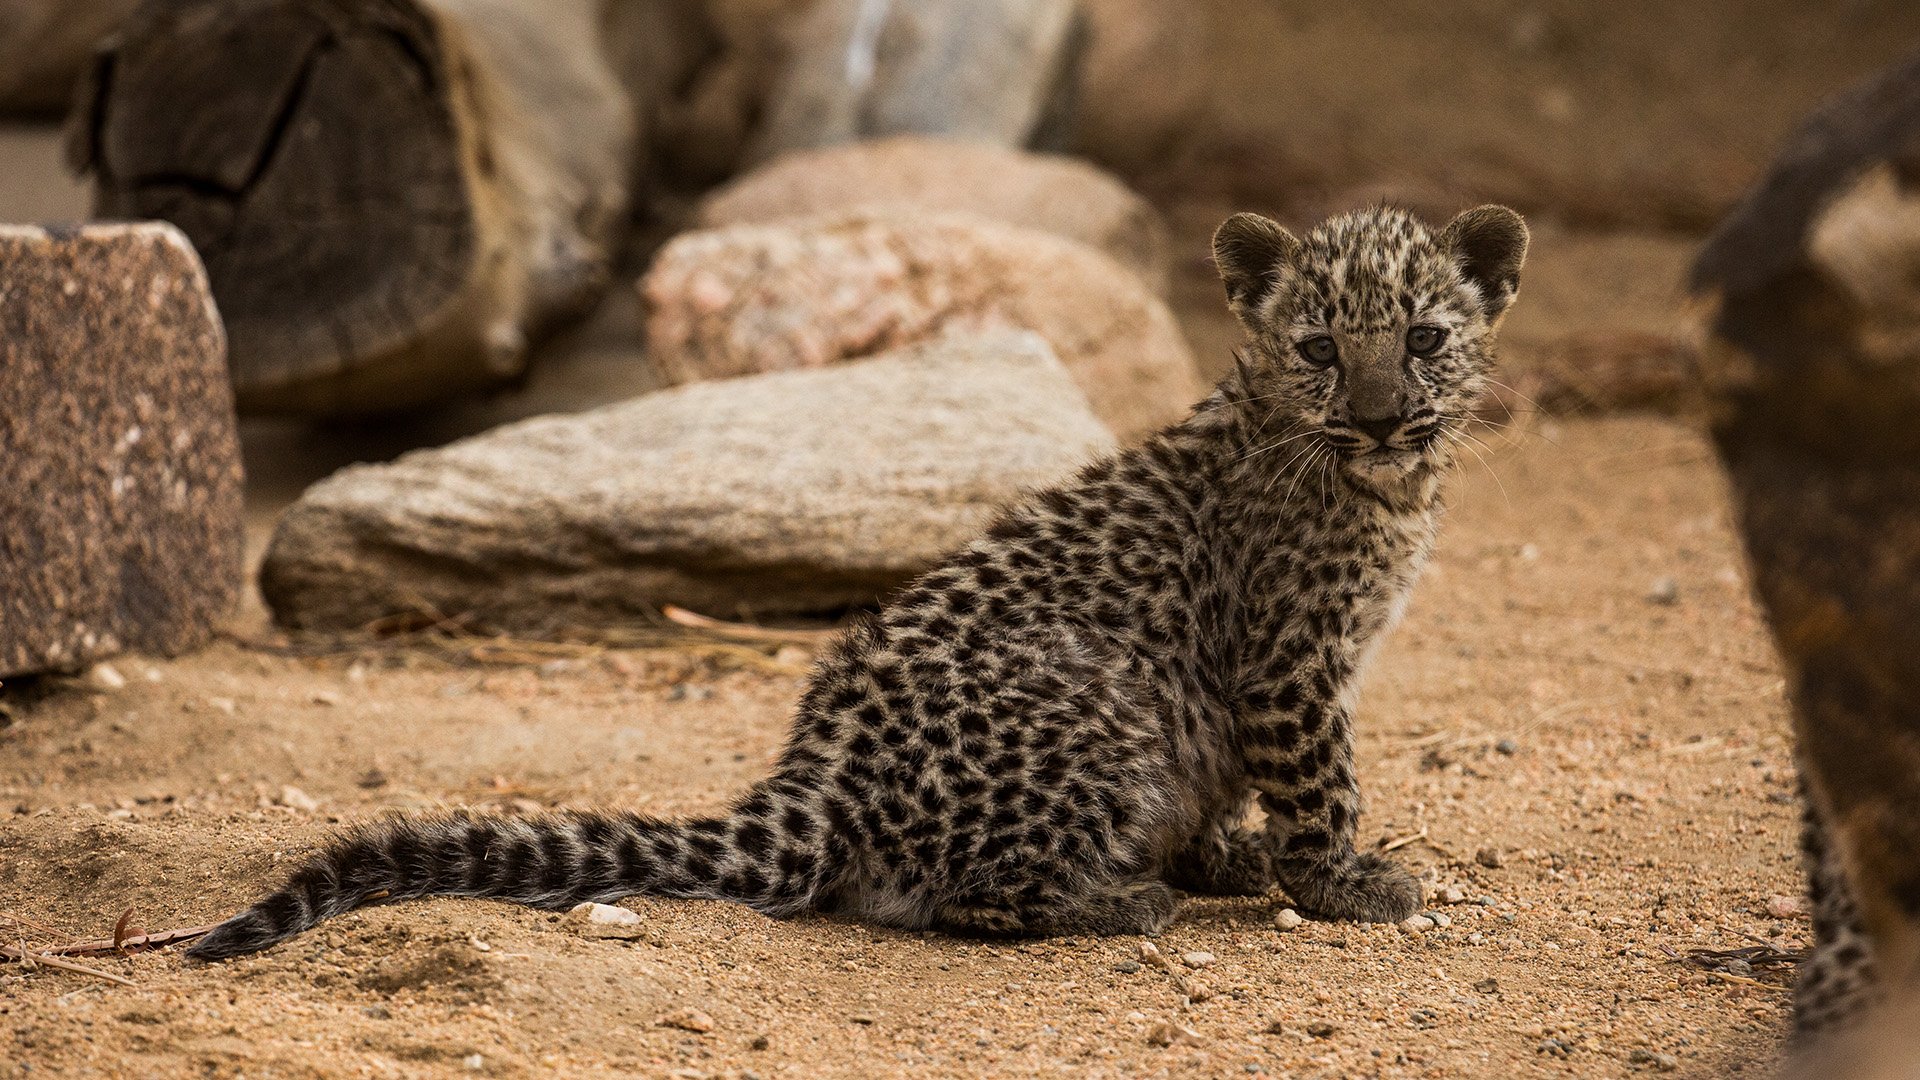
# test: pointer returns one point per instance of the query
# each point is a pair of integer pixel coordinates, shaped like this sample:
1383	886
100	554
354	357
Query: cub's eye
1423	340
1320	351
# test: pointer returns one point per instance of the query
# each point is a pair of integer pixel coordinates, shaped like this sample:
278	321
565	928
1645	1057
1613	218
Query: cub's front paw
1365	888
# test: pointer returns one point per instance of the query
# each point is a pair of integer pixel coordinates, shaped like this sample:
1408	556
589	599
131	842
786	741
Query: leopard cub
1066	721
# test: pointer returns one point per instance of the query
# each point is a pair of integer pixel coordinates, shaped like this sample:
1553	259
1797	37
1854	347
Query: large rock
1004	71
119	465
1038	191
754	298
795	492
45	45
396	200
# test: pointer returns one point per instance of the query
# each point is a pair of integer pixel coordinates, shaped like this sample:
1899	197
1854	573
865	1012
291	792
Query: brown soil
1624	761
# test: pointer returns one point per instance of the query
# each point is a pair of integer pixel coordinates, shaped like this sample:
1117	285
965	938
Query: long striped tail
551	862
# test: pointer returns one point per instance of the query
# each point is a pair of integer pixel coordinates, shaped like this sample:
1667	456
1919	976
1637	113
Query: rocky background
655	338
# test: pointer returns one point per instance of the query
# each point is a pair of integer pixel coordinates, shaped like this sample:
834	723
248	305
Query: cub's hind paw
1365	888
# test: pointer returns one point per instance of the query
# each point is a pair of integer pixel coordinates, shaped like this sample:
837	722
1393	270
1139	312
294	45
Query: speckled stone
1052	193
808	292
793	492
120	480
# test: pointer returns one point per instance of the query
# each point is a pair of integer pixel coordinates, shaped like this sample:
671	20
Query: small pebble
1320	1029
1275	1027
1487	986
760	1042
1288	920
1440	918
1422	1017
106	677
1127	967
1507	747
1664	591
326	697
1453	894
1786	907
474	1062
1197	991
1416	923
293	797
604	921
1197	959
1556	1048
861	1018
1168	1033
1652	1059
687	1019
1489	858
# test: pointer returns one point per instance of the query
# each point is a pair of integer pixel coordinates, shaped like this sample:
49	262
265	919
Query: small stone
474	1062
1127	967
861	1018
1556	1048
1487	986
376	1012
1168	1033
1288	920
1415	924
1151	954
1197	959
326	697
1453	894
293	797
685	1019
1786	907
1489	858
760	1042
1320	1029
1275	1027
1664	591
1440	919
1643	1058
1423	1017
603	921
106	677
1507	747
1197	990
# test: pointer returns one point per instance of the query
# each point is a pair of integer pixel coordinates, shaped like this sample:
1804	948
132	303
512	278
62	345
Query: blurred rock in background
119	465
910	174
796	492
395	200
999	71
45	46
809	292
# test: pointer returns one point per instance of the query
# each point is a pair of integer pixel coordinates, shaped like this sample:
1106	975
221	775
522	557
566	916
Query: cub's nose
1380	427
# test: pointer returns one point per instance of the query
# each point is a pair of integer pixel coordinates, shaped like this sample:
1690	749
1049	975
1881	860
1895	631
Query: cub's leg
1300	758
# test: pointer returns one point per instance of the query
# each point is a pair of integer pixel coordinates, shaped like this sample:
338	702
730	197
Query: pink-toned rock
119	463
810	292
1047	192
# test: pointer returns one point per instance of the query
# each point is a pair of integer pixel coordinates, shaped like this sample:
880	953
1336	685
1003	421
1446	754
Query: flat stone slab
120	478
795	492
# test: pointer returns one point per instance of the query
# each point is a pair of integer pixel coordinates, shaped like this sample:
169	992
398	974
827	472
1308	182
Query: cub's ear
1249	250
1491	243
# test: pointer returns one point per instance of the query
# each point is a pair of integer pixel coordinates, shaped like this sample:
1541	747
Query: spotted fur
1068	720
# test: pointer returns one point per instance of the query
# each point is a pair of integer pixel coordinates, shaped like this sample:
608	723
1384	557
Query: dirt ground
1614	747
1580	727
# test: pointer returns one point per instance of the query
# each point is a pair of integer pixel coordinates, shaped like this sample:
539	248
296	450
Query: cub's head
1373	329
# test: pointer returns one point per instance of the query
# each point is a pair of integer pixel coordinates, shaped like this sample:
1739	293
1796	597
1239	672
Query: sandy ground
1603	775
1624	761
